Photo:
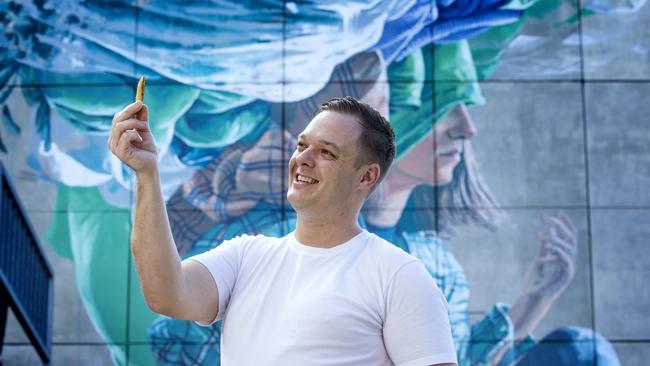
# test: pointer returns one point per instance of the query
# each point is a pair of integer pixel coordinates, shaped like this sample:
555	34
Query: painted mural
229	86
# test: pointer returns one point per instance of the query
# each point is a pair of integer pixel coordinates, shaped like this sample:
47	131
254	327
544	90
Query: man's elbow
163	307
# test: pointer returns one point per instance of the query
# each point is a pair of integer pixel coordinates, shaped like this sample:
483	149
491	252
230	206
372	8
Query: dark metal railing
26	278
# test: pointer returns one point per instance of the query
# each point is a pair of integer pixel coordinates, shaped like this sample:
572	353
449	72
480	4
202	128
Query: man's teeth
303	179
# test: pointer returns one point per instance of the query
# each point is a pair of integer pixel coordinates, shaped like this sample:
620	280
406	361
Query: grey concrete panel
19	355
633	354
619	148
621	270
529	143
497	264
547	47
14	332
62	355
616	45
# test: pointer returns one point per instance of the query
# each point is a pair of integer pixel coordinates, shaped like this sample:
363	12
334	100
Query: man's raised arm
183	290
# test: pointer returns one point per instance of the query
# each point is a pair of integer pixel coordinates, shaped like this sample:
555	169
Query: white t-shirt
363	302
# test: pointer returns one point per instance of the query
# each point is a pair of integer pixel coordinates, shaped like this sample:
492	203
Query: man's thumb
143	113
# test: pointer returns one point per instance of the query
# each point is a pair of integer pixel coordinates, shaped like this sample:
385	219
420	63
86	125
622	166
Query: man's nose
305	157
464	127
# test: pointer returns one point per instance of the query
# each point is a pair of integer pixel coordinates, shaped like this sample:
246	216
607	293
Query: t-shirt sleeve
416	324
223	263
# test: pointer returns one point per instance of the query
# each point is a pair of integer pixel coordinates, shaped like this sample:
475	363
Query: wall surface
523	158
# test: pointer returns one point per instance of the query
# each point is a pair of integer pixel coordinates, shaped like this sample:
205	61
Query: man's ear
370	176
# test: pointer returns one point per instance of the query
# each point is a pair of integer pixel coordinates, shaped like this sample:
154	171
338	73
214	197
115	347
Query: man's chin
291	198
295	199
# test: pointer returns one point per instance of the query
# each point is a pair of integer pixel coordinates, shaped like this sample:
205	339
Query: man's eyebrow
322	141
329	143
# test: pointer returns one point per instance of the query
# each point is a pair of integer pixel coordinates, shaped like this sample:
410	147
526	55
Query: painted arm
548	276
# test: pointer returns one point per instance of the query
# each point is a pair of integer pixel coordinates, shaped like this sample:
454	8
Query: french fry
139	94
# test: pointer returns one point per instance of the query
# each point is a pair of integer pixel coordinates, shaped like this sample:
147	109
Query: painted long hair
466	200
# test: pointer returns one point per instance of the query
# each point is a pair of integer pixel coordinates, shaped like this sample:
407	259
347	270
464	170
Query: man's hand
131	139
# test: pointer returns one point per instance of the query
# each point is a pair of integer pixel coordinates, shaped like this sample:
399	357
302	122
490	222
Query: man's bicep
209	280
416	327
201	301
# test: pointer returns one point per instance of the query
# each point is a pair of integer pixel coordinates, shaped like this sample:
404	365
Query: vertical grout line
283	203
585	137
132	194
434	147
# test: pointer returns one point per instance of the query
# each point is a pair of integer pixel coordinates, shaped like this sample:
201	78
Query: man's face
322	170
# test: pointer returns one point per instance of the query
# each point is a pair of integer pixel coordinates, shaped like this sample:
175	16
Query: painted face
448	140
322	171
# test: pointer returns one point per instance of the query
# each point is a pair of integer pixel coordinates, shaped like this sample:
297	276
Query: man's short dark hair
377	137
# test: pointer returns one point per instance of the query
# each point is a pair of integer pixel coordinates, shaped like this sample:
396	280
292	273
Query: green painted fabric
89	107
204	129
201	119
418	105
488	47
96	236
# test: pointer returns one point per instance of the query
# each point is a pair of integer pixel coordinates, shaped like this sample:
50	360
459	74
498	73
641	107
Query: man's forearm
156	257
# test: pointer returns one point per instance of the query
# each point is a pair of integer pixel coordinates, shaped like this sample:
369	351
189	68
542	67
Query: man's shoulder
387	253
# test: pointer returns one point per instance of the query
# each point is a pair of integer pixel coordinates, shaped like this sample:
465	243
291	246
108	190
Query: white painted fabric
363	302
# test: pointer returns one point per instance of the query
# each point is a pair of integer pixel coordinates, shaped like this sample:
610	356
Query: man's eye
329	153
301	145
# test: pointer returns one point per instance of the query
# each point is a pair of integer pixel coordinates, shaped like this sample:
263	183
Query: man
329	293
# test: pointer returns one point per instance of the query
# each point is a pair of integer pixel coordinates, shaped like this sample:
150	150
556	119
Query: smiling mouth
304	179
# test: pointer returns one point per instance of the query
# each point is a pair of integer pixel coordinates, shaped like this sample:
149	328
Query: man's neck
326	232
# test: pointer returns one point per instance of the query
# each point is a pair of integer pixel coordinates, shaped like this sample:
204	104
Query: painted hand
554	267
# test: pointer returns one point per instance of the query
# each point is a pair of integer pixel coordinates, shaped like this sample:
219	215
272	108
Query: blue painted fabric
442	22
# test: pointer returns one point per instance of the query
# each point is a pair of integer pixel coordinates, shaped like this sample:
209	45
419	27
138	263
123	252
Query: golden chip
139	94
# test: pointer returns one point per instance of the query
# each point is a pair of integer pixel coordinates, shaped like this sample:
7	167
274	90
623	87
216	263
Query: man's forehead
337	128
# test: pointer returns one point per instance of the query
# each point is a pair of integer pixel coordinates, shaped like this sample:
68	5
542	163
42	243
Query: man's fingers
130	124
127	112
125	141
143	113
119	129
